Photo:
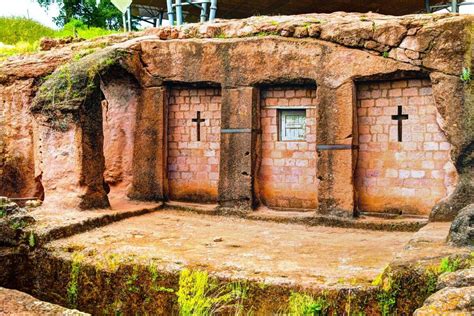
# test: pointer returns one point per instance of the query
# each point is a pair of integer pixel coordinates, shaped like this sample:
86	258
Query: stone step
311	218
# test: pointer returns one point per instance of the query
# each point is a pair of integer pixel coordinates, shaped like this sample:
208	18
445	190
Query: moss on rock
68	88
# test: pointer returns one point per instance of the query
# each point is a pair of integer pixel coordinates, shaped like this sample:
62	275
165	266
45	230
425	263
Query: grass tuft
304	304
21	36
198	295
73	285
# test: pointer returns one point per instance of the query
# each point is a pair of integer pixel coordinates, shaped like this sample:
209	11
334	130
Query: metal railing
452	7
176	10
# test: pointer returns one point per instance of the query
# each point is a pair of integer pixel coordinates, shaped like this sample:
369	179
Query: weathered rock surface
371	46
400	36
14	302
461	278
462	228
449	301
12	221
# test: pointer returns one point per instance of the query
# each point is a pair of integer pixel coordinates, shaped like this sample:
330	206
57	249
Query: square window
292	125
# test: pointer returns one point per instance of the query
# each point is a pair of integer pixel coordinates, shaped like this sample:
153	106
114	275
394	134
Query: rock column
336	164
149	157
238	147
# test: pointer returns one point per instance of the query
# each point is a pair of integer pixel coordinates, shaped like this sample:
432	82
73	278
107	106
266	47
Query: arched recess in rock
69	115
121	93
286	165
402	167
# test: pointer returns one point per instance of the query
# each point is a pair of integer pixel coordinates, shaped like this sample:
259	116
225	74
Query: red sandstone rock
13	302
389	33
72	165
48	43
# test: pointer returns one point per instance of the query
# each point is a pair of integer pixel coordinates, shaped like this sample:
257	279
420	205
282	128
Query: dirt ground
242	248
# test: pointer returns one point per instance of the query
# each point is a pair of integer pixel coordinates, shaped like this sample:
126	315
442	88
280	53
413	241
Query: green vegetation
221	36
466	75
17	224
3	211
155	277
32	239
73	285
392	284
304	304
22	35
385	54
387	297
83	53
264	34
131	283
17	29
449	265
77	28
193	293
101	14
431	280
110	262
198	295
68	87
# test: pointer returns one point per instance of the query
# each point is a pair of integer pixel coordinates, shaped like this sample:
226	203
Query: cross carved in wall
400	118
198	120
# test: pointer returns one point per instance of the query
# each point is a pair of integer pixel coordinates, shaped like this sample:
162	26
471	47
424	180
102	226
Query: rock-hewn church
332	114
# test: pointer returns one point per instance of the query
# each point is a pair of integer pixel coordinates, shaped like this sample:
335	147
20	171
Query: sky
30	8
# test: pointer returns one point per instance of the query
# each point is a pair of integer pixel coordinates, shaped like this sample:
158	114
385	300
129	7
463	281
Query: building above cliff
194	10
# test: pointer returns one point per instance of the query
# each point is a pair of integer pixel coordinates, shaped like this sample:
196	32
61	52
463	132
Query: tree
93	13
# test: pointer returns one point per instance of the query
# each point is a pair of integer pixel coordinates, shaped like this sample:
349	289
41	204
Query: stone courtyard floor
242	248
120	251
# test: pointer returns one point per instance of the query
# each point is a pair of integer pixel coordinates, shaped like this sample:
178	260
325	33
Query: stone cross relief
198	120
400	117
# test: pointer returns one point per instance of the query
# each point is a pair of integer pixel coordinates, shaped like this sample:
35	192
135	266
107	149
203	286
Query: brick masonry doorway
404	162
287	175
194	123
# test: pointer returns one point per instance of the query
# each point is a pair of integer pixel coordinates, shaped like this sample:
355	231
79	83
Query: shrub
304	304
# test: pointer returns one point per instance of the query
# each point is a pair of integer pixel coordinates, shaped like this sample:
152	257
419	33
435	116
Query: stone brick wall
193	166
411	175
287	175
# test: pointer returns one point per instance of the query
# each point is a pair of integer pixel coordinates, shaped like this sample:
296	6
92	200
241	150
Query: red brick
295	160
395	92
410	92
197	161
400	173
367	103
